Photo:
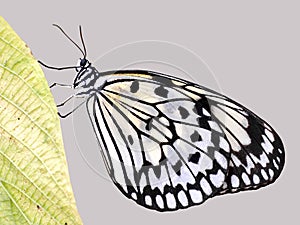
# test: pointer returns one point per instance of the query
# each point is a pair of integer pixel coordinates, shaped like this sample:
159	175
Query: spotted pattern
161	91
177	168
183	112
194	158
134	87
196	137
130	139
169	144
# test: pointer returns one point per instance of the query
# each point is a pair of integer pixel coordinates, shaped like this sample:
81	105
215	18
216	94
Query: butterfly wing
170	144
257	152
160	146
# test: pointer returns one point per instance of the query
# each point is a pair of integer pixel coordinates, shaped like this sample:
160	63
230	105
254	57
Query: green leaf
34	181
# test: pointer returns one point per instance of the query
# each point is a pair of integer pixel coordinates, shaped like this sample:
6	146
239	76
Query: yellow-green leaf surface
34	181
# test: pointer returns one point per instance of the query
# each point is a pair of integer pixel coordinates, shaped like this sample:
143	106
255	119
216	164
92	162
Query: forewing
161	146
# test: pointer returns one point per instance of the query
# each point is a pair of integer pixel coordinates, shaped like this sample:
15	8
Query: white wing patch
170	144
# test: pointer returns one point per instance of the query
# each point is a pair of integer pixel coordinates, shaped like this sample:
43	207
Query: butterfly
170	144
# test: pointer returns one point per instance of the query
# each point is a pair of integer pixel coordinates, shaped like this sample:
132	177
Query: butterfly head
85	73
83	62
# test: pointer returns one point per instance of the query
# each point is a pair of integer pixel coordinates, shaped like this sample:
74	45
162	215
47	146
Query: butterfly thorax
86	78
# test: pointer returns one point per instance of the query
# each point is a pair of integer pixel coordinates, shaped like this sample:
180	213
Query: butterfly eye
83	62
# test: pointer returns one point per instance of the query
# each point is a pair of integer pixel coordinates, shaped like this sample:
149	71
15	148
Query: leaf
34	181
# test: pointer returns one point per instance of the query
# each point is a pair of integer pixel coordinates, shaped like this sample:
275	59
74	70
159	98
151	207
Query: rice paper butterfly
168	143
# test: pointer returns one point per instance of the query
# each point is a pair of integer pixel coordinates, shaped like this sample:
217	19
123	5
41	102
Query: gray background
252	47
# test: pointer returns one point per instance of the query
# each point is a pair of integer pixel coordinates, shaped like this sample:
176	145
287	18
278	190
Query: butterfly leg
73	110
61	85
64	102
67	100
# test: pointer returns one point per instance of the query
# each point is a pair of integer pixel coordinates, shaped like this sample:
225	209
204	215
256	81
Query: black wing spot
149	124
177	168
157	171
161	91
196	137
203	123
183	112
194	158
163	80
211	152
130	139
134	86
201	104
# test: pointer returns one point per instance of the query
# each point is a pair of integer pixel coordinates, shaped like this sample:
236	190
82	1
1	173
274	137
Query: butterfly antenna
82	41
69	39
57	68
